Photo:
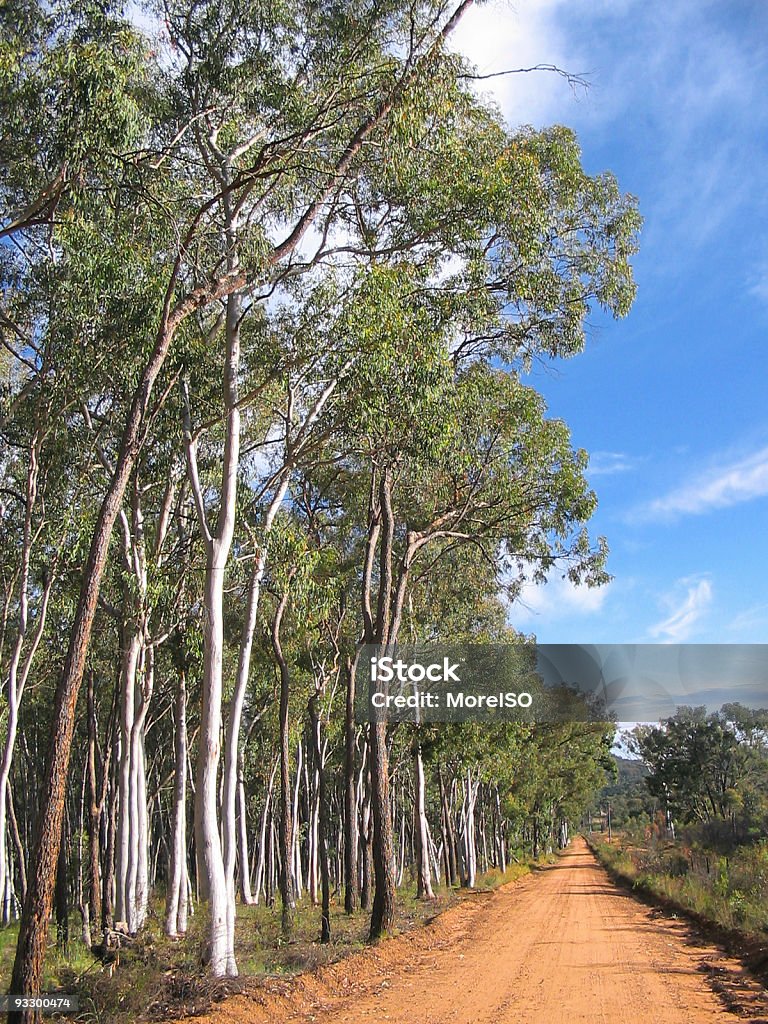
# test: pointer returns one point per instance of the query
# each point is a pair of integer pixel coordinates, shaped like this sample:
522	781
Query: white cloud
558	598
684	612
676	70
609	463
735	482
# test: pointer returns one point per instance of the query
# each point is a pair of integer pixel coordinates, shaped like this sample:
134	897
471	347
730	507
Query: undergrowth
727	889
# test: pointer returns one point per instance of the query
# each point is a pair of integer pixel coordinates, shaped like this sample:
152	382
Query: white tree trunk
242	840
220	952
210	861
436	854
502	840
470	850
423	872
298	879
260	880
124	902
140	774
18	671
9	901
230	784
135	691
400	869
234	719
313	836
176	897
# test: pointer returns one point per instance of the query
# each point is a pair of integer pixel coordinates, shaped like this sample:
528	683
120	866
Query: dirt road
562	946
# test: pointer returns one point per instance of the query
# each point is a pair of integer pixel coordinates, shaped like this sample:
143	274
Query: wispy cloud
758	283
731	483
679	70
751	620
684	611
609	463
703	117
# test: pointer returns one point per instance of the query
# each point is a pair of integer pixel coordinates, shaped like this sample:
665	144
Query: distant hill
628	795
630	769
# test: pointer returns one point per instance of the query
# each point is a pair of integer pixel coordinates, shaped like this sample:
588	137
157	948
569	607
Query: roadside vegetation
729	890
690	819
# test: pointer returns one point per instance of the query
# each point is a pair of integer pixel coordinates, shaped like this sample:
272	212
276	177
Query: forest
272	277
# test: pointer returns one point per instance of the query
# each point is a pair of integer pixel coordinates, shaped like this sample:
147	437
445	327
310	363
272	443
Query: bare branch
575	81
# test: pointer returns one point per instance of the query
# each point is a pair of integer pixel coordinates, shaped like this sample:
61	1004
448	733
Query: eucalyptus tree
45	461
703	766
293	366
436	449
23	522
145	602
558	768
301	590
500	260
325	669
318	586
145	625
58	67
305	366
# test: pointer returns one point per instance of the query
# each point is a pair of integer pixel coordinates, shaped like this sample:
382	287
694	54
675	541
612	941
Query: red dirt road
561	946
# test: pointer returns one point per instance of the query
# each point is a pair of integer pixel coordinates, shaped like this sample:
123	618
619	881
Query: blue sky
671	403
